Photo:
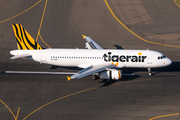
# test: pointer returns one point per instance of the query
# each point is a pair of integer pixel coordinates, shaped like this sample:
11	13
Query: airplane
95	61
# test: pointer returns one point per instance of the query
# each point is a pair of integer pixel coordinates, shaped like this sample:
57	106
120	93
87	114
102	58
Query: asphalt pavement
52	97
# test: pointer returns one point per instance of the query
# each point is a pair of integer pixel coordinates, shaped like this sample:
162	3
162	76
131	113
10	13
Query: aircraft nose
168	62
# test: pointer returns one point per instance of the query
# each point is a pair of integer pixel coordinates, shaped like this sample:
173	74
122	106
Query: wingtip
69	78
83	36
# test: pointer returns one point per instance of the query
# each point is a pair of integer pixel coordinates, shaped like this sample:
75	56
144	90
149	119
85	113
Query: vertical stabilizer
24	39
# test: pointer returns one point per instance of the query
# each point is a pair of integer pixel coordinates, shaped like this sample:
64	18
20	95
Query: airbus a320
95	61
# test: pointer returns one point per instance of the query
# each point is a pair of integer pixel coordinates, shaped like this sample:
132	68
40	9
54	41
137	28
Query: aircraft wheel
93	77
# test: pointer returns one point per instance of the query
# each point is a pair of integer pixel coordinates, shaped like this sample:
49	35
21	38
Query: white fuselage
83	58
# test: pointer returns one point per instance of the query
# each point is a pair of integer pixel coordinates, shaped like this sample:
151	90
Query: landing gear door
149	59
43	57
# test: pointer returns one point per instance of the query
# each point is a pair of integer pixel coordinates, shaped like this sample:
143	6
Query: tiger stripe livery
24	39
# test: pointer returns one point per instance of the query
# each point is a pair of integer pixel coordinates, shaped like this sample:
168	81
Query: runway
61	23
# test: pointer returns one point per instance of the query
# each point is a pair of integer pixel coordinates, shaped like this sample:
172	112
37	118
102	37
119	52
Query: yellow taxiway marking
164	116
41	20
58	100
38	34
43	41
89	90
107	4
40	23
17	113
15	117
21	12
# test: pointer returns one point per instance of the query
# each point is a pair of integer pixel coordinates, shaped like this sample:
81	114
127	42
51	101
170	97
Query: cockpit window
161	57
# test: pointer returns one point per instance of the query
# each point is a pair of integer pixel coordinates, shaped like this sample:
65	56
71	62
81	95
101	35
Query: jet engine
111	74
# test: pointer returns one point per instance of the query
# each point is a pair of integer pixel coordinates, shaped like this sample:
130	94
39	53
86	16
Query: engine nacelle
111	74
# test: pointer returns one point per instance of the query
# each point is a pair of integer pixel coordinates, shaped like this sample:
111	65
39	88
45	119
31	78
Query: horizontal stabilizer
20	56
35	72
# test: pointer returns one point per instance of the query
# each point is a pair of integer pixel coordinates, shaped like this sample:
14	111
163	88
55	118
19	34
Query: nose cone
168	62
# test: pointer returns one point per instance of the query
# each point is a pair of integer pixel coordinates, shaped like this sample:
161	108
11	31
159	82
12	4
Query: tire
93	77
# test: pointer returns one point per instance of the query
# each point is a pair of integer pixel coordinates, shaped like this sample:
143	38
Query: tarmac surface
52	97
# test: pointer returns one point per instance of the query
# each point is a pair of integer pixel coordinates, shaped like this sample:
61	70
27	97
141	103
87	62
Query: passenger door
149	59
43	57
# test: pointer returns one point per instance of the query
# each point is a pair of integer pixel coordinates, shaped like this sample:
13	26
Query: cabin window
164	56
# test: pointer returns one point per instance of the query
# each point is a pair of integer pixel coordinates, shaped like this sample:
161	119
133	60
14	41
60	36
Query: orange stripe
119	75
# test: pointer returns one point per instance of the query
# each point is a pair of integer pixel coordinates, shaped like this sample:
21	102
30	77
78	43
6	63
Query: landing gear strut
149	71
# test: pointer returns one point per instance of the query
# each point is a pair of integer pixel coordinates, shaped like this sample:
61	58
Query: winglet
83	36
115	64
68	78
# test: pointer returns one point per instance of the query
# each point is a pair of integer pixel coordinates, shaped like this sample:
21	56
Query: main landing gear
94	76
149	71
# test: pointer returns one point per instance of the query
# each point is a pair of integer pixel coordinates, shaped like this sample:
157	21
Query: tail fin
24	39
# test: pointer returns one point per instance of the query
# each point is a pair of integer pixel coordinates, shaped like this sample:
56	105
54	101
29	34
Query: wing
91	70
91	44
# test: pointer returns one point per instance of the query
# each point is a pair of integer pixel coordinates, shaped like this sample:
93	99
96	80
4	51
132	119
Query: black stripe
27	39
16	32
22	36
19	44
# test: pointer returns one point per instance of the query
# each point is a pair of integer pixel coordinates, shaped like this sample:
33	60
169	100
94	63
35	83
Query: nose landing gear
149	71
